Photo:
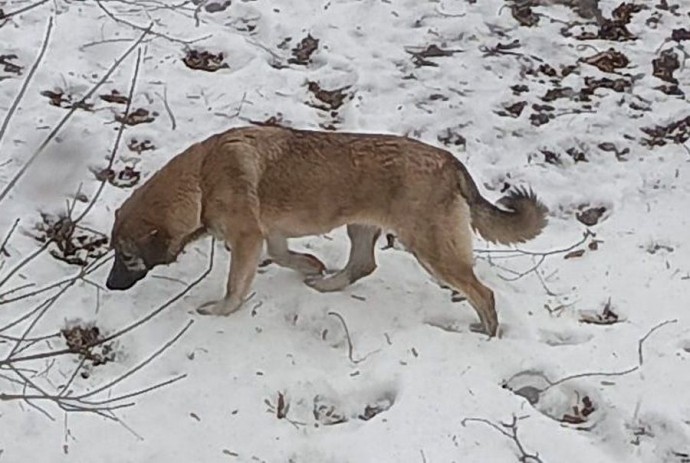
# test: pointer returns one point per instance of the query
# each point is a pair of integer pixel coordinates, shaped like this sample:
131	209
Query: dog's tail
521	217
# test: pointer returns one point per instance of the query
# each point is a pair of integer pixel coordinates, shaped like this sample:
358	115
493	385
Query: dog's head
139	246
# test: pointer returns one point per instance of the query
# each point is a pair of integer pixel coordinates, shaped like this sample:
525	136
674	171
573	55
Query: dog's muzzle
121	278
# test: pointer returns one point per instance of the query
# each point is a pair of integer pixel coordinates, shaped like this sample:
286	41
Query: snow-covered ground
274	382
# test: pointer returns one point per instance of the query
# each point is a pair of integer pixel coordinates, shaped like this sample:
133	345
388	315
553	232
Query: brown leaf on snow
624	11
615	30
332	99
675	132
513	110
139	146
204	61
138	116
524	15
680	34
80	339
273	121
114	97
303	51
619	85
451	137
9	66
432	51
606	317
61	100
665	65
590	216
126	178
607	61
554	94
573	254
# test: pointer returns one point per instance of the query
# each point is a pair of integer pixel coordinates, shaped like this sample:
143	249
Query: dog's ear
156	250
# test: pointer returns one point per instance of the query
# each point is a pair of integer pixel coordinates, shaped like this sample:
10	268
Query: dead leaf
665	65
332	99
606	317
138	116
303	51
204	61
590	216
607	61
114	97
573	254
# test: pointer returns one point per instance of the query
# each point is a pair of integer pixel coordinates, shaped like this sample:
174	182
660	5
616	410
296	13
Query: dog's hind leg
278	251
362	260
445	250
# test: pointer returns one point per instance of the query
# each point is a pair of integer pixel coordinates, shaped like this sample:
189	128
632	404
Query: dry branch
126	329
118	138
27	80
627	371
70	112
349	340
66	400
509	430
23	9
112	16
167	107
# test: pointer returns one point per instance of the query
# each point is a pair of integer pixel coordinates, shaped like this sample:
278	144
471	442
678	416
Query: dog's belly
305	223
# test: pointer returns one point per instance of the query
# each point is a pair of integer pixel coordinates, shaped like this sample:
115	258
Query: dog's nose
121	278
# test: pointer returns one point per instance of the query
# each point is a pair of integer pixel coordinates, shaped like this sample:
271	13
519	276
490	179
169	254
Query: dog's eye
132	262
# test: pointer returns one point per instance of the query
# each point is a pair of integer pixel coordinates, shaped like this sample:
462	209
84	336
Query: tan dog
254	184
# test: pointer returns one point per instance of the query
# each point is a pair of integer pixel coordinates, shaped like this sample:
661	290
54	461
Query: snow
414	358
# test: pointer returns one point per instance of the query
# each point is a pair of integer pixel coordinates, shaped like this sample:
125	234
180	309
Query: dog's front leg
243	265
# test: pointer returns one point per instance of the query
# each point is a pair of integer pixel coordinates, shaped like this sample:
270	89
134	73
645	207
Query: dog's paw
224	307
491	330
327	284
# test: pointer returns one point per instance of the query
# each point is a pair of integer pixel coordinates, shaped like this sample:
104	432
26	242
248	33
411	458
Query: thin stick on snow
349	340
167	107
649	333
118	138
27	79
511	253
80	275
141	365
131	327
23	9
20	173
509	430
7	237
93	200
640	344
110	14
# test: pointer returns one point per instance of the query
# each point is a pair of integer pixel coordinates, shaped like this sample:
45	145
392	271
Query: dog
264	184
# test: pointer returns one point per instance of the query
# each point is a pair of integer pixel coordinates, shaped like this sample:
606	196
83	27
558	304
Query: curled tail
521	217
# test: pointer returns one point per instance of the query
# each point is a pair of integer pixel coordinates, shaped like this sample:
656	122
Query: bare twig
509	430
70	112
640	344
126	329
147	361
8	236
511	253
27	79
80	275
167	107
23	9
349	340
118	138
649	333
148	28
25	261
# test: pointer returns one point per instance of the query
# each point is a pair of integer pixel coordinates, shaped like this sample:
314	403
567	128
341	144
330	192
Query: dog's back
311	182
